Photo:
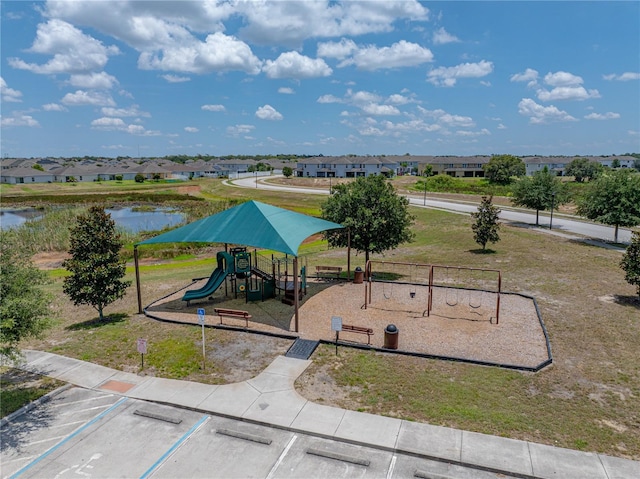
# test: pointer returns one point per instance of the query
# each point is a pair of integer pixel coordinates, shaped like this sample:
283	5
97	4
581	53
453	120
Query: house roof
250	224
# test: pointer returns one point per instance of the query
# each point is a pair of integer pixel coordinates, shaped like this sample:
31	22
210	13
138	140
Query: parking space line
76	411
392	466
282	456
69	437
175	446
80	401
66	424
46	440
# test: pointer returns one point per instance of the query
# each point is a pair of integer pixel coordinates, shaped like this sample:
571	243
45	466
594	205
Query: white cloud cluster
133	110
539	114
626	76
9	94
118	124
295	65
19	119
72	50
441	37
448	76
267	112
213	108
602	116
371	58
83	98
564	86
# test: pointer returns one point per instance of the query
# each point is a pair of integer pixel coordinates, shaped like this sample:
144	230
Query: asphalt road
561	223
96	434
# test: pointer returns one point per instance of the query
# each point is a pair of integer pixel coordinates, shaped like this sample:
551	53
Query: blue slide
225	267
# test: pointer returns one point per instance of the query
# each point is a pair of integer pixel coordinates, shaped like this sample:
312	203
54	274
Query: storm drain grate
302	348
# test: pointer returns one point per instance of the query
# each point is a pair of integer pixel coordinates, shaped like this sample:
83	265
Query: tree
139	178
631	261
485	229
613	199
378	218
287	171
502	168
636	164
95	265
582	168
427	171
615	163
540	191
24	308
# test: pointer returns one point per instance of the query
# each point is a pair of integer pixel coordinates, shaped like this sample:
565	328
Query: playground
439	311
461	324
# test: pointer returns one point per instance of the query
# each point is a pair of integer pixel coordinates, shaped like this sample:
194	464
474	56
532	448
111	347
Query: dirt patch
49	259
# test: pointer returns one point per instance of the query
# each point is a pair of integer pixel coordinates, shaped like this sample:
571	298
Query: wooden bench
326	270
357	329
233	313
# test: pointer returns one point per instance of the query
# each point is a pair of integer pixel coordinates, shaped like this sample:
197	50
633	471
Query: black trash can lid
358	268
391	328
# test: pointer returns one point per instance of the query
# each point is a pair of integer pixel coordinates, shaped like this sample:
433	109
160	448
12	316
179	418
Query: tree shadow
624	300
483	251
96	323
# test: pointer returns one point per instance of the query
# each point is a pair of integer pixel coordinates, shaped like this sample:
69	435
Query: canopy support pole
135	261
295	291
349	254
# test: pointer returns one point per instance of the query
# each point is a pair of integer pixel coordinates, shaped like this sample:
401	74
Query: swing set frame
413	267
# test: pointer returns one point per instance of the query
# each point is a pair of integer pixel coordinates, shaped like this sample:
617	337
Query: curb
28	407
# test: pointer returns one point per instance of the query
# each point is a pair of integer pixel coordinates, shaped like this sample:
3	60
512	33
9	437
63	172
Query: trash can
358	276
391	337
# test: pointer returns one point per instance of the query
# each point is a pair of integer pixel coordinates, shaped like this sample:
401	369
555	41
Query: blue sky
156	78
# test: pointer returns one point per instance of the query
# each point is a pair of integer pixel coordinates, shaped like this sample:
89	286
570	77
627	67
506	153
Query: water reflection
128	218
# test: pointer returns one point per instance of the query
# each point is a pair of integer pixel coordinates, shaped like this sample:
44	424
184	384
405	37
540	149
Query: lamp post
424	198
256	173
330	189
553	200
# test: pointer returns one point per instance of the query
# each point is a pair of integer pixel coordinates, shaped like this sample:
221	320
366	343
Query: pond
128	218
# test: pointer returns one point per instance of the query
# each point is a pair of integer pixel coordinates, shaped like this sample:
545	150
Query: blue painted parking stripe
175	446
69	437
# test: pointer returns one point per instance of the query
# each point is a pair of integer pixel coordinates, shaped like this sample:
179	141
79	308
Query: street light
256	173
424	199
330	190
553	200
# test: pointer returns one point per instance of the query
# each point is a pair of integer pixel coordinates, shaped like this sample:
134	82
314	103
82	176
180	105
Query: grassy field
589	399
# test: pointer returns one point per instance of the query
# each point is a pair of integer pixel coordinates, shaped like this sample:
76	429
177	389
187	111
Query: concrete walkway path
271	399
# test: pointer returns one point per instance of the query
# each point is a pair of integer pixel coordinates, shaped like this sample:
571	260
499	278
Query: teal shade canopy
250	224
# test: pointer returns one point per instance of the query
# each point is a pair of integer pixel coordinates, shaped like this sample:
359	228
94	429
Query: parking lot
86	433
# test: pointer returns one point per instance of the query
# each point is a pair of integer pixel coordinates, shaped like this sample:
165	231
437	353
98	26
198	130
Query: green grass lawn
589	399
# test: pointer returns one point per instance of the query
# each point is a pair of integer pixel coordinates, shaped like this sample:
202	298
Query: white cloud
539	114
529	75
441	36
627	76
397	99
376	109
603	116
342	49
191	129
175	78
237	130
267	112
9	94
290	23
81	97
448	76
19	119
53	107
286	90
294	65
101	81
329	99
575	92
562	79
447	119
72	50
213	107
400	54
133	110
219	53
117	124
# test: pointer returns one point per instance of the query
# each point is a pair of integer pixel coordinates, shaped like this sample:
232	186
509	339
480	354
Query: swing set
462	285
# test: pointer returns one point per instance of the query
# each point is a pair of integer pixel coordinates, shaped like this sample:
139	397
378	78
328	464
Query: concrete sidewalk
270	399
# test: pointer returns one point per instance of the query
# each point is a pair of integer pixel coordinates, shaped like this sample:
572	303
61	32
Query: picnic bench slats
333	270
358	329
233	313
